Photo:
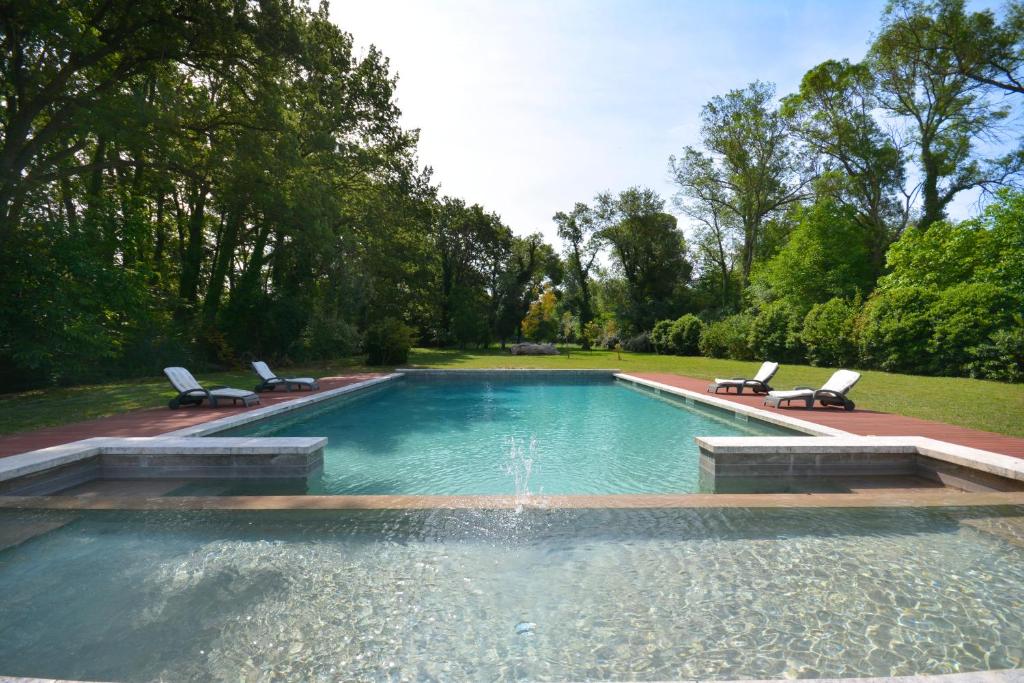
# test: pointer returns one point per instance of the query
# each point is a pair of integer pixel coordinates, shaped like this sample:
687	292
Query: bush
897	330
388	342
328	336
775	333
966	316
660	336
684	335
641	343
1001	357
829	333
727	338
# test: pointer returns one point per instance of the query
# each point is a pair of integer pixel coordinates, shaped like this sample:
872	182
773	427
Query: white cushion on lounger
765	373
267	375
841	381
228	392
182	379
263	370
793	393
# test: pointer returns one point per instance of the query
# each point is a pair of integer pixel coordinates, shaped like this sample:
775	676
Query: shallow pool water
499	596
501	436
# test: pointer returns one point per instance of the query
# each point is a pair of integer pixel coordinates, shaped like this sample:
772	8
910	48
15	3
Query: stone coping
888	499
985	461
232	421
181	441
793	423
32	462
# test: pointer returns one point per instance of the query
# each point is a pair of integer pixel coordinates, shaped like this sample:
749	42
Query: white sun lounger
832	393
270	380
190	392
759	384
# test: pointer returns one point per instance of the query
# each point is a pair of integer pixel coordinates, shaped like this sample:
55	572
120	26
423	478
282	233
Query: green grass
56	406
991	406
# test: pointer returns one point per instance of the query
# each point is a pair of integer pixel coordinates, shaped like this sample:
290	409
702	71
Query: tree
541	321
751	169
718	229
583	243
827	256
948	111
981	48
834	114
650	253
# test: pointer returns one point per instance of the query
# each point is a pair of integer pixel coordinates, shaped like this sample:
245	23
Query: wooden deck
862	422
152	421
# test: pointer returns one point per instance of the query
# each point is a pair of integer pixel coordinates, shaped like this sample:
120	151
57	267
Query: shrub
660	336
591	334
1001	357
328	336
775	333
728	338
896	330
684	335
641	343
829	333
966	316
541	323
388	342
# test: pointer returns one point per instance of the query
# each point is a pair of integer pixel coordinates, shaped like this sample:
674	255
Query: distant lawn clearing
990	406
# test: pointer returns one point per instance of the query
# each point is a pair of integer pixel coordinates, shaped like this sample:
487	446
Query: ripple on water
462	595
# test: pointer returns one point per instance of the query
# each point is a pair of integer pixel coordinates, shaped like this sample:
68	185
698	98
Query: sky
529	106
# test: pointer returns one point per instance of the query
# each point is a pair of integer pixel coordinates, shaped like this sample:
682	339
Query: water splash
519	466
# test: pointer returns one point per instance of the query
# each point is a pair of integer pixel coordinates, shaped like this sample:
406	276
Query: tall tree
948	110
981	47
750	164
834	114
578	231
649	251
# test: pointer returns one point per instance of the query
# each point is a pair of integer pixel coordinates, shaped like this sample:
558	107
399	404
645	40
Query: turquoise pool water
476	436
496	596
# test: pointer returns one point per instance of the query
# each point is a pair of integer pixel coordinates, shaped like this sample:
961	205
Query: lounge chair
271	381
759	384
832	392
190	392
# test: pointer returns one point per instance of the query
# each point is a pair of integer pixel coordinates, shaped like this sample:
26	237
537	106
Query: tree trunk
188	288
225	255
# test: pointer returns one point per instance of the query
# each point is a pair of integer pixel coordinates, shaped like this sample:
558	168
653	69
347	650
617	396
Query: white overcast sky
528	106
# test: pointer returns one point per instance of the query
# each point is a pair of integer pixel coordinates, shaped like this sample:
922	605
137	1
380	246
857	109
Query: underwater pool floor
491	437
496	595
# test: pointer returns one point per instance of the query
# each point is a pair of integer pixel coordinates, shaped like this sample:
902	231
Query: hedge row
973	329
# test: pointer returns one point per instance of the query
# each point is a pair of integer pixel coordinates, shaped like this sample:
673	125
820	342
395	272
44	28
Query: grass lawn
991	406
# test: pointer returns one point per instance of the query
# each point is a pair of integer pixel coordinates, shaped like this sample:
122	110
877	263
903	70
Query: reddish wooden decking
151	421
863	422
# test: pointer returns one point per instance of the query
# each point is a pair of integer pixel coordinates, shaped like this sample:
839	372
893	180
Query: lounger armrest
803	388
198	390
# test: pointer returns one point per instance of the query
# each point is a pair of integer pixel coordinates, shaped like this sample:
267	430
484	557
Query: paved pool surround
728	464
177	454
732	464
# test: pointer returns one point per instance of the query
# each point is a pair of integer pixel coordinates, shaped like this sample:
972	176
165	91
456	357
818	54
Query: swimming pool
491	595
507	435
